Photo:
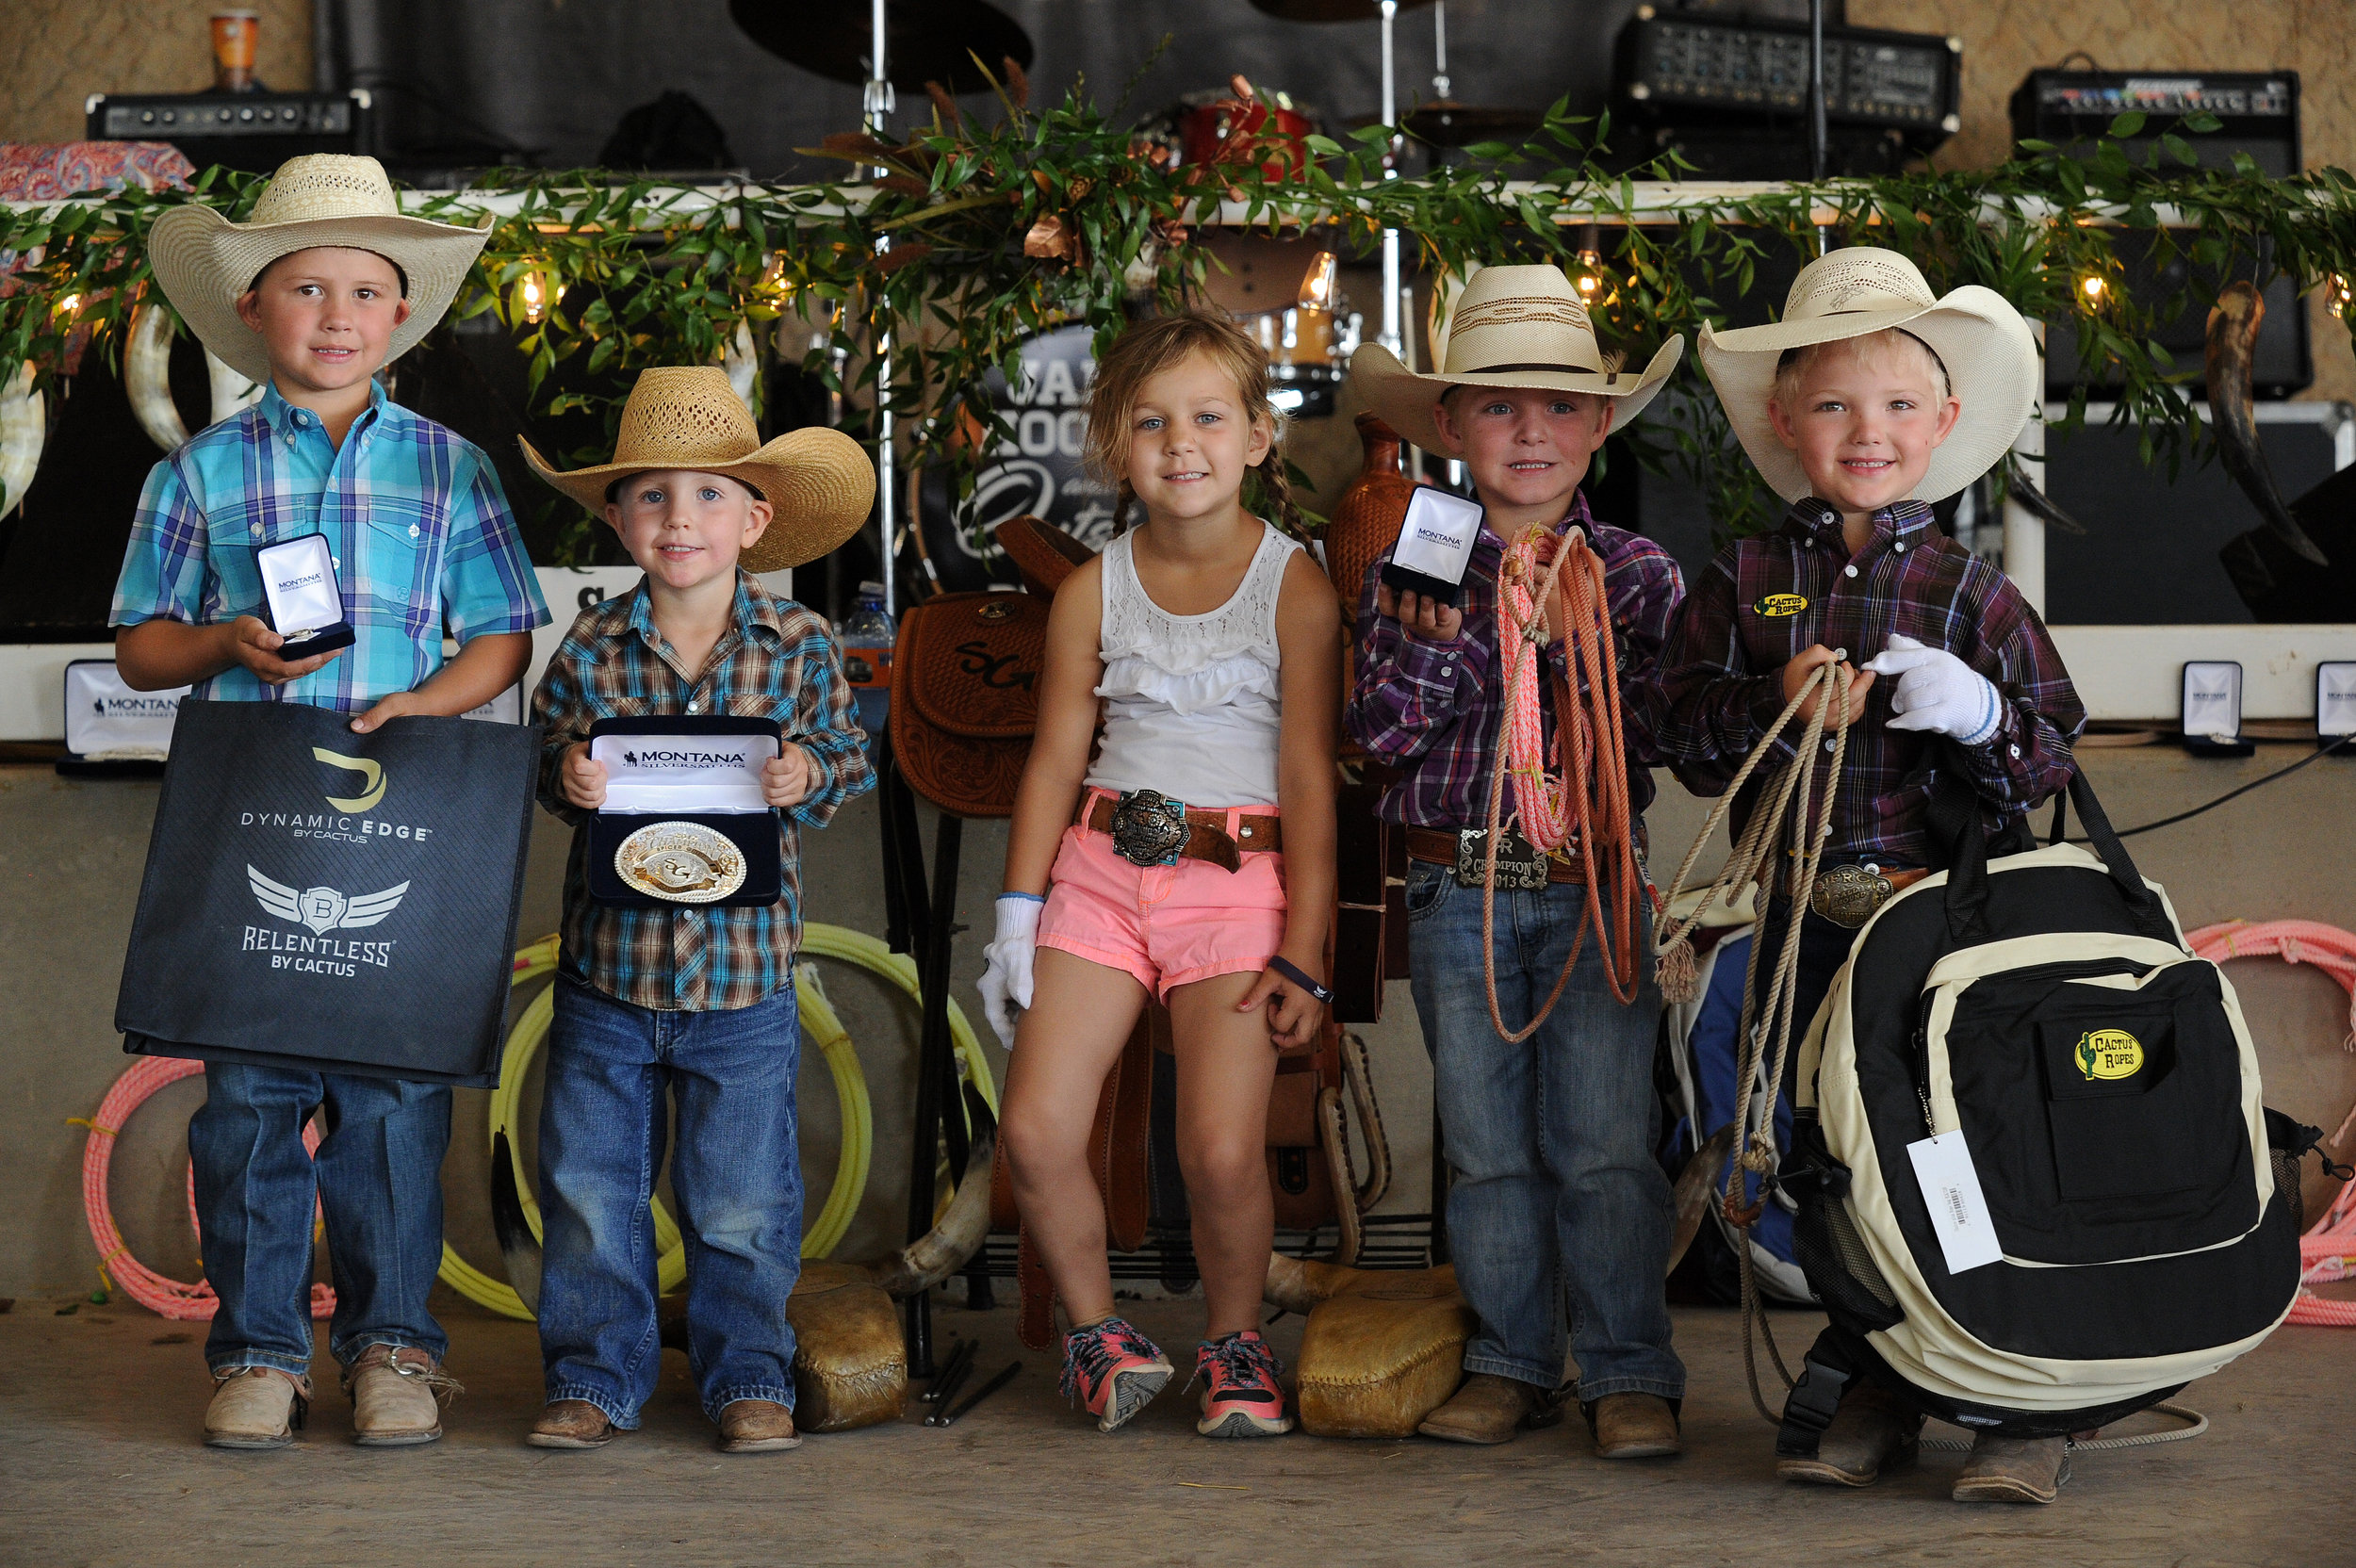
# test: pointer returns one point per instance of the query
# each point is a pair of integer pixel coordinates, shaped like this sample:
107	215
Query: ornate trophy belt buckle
681	863
1148	828
1848	896
1521	865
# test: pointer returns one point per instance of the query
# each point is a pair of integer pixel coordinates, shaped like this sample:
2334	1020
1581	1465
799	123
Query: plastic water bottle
867	636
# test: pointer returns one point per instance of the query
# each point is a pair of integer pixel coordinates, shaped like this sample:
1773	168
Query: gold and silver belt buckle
1521	865
681	863
1148	828
1848	896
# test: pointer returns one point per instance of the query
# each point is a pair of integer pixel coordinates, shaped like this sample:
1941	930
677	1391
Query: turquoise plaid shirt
414	516
777	660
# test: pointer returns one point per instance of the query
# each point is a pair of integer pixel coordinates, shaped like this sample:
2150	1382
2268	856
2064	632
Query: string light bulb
1588	280
537	294
2093	290
772	285
2339	294
1317	284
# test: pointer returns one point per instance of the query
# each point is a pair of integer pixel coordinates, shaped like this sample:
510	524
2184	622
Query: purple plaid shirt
1433	709
1764	599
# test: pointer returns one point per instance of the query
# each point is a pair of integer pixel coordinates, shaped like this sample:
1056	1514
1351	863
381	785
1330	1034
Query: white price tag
1950	1187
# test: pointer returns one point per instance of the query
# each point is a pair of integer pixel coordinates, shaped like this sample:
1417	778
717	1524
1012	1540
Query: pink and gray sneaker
1241	1395
1113	1370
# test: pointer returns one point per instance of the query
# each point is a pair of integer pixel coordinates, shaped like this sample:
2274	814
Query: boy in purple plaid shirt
1869	399
1555	1201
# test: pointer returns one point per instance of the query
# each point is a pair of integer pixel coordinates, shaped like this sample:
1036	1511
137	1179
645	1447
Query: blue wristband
1292	972
1036	898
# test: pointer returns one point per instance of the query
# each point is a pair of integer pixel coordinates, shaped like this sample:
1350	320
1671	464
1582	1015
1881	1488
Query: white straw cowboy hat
1514	327
205	262
818	481
1990	356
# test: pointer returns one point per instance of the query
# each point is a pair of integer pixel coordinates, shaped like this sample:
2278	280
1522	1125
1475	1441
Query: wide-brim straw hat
1521	328
1990	355
819	483
205	262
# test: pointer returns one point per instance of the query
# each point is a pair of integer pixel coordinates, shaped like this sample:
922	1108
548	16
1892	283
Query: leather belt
1465	848
1848	896
1148	828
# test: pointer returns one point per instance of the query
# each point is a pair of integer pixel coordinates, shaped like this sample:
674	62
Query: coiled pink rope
159	1292
2327	1253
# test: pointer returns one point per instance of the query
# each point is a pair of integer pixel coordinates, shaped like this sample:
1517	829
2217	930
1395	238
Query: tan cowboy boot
1871	1435
756	1426
1490	1409
255	1407
396	1394
572	1424
1634	1426
2013	1470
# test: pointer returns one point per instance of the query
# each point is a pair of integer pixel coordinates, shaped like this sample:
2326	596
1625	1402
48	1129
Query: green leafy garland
977	235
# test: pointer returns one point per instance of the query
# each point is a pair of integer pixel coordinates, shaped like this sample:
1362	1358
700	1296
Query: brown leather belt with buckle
1519	861
1848	896
1148	828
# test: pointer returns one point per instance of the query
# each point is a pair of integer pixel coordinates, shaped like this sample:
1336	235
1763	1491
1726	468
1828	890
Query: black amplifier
250	131
2259	115
2259	110
1696	68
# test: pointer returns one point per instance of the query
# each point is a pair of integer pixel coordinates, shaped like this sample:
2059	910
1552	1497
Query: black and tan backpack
2145	1203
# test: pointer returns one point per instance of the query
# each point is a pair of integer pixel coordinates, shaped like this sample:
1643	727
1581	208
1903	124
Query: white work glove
1005	986
1938	693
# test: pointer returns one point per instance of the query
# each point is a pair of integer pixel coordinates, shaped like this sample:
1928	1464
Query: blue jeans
378	1176
1555	1193
737	1176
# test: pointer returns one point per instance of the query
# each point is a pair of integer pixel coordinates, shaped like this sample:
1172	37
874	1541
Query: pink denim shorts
1167	925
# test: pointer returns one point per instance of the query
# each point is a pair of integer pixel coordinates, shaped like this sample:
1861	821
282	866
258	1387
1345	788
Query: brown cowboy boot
2013	1470
572	1424
1634	1426
1871	1435
396	1394
756	1426
1490	1409
255	1407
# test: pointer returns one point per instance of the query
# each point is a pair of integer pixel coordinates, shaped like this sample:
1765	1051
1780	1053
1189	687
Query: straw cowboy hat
1514	327
819	481
1990	355
205	262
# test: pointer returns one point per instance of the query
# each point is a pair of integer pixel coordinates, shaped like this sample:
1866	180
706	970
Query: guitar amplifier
1735	91
253	132
2259	111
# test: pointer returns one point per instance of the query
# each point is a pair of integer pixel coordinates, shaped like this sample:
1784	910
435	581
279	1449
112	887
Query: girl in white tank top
1172	842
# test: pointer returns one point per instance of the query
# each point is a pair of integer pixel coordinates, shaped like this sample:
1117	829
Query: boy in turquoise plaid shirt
324	284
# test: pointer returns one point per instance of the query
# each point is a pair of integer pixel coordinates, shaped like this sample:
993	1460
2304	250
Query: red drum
1201	123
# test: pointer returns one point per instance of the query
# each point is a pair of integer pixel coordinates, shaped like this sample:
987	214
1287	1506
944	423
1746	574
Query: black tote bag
319	899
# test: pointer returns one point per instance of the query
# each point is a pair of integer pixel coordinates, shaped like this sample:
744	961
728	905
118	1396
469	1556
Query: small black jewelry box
1435	544
685	825
305	602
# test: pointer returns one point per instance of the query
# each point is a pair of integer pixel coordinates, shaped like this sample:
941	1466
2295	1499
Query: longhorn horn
23	428
1696	1185
742	362
147	376
516	1246
962	1228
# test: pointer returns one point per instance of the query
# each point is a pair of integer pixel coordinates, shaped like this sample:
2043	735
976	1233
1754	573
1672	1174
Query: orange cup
237	35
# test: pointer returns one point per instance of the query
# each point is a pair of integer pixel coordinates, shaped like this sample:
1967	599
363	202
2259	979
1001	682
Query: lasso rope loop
1582	805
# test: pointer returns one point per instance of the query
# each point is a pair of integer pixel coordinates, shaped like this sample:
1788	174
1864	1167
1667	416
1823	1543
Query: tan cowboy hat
205	262
819	481
1989	352
1520	327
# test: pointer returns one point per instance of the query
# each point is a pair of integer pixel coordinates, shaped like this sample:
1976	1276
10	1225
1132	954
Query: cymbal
1445	122
925	39
1330	10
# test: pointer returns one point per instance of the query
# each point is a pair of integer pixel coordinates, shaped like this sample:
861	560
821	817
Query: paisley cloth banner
319	899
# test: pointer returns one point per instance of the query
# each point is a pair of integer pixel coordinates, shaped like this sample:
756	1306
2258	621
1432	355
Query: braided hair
1151	347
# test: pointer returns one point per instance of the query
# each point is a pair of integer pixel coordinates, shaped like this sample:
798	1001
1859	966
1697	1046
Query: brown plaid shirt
777	660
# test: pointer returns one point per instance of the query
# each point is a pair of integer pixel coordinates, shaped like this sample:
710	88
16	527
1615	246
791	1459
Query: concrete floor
100	1465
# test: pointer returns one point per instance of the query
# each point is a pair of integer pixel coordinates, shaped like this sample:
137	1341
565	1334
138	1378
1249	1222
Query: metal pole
1817	133
1391	337
878	106
2024	531
1439	49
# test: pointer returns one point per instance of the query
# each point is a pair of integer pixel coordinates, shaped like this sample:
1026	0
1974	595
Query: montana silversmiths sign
319	899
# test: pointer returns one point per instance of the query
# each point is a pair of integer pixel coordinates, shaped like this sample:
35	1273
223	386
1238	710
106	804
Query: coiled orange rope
1581	806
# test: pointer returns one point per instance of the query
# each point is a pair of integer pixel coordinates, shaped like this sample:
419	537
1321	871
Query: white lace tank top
1192	704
